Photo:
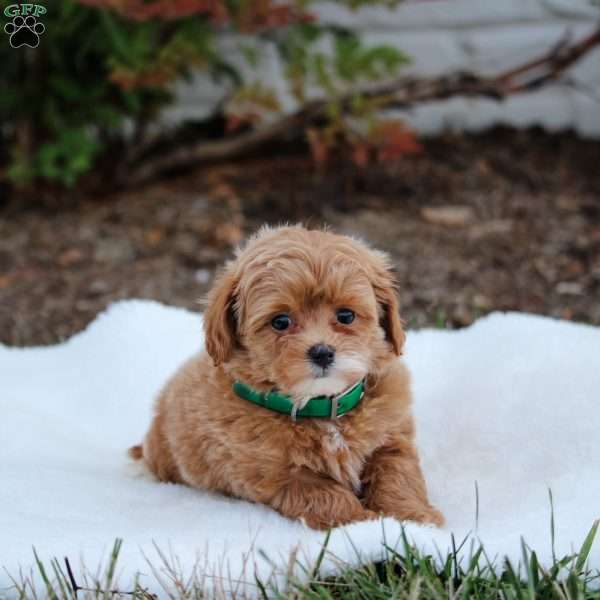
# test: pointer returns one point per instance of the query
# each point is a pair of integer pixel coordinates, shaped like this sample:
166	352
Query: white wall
483	36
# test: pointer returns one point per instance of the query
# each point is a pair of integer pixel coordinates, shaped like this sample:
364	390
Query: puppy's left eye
345	316
281	322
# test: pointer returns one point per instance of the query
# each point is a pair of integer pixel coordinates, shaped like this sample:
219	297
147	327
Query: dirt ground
502	221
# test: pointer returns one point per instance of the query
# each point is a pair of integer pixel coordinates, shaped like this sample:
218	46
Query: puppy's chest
333	439
343	456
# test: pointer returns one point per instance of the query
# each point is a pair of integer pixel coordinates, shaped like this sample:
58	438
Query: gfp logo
24	29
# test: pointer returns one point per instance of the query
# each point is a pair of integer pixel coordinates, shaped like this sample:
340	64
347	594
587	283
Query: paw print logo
24	31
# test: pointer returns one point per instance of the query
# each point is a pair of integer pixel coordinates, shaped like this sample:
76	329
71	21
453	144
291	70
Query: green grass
465	572
460	574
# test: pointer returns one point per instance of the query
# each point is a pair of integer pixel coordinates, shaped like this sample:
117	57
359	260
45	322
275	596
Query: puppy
300	401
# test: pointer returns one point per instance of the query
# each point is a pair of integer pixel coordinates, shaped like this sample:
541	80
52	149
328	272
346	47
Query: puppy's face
308	312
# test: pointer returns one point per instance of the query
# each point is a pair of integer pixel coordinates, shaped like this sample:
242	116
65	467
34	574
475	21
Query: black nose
321	355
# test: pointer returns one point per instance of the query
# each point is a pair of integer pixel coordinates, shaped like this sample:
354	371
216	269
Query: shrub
104	69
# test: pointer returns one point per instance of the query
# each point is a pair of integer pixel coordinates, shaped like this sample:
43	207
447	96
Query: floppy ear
387	298
220	327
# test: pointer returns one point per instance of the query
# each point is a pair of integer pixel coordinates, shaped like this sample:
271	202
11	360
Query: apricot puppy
300	401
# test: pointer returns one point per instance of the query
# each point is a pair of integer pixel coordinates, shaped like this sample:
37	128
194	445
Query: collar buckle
335	399
334	408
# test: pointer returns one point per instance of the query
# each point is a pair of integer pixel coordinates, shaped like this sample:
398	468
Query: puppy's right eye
281	322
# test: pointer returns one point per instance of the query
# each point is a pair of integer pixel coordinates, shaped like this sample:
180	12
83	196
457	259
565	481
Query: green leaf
121	44
586	547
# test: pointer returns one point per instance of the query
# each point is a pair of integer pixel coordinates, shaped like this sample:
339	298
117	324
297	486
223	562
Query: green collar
319	406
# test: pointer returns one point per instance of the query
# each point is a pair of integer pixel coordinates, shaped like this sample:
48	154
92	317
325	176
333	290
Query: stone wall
482	36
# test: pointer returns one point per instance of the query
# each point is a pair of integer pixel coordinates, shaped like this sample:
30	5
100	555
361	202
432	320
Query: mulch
506	220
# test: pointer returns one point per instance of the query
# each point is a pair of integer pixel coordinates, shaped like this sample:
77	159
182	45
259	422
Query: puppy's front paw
434	516
329	521
427	514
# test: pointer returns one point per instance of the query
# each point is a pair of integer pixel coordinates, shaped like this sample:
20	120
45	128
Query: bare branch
400	93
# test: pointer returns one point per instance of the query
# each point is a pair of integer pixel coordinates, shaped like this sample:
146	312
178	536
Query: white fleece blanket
511	403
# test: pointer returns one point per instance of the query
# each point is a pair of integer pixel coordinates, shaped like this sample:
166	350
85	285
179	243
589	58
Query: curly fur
326	472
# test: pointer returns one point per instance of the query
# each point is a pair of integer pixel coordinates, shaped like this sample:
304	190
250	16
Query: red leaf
361	154
394	140
319	146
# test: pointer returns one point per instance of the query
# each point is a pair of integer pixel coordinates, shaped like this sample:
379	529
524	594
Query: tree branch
400	93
